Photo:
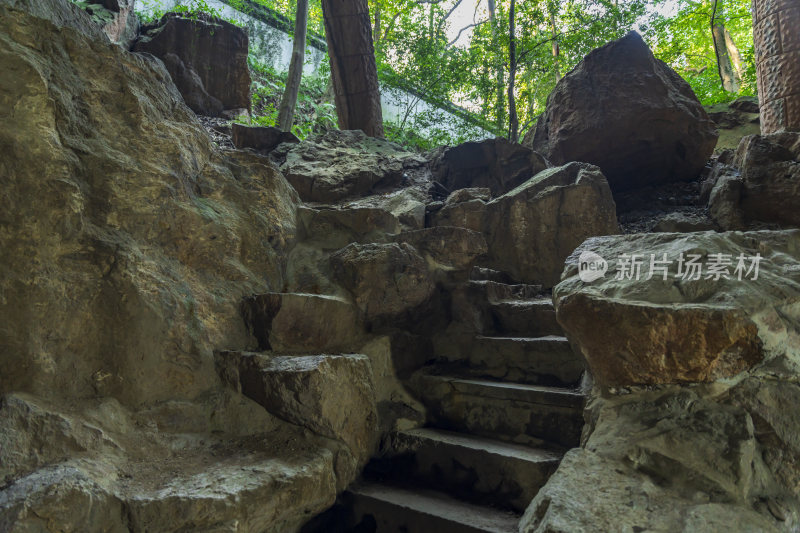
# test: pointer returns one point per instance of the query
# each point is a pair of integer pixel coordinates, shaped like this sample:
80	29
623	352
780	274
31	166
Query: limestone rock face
206	57
124	26
309	390
447	247
287	322
628	113
533	228
94	466
345	164
496	164
681	329
130	239
621	494
384	279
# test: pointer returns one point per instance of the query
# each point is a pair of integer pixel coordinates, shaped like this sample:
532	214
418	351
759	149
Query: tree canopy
503	67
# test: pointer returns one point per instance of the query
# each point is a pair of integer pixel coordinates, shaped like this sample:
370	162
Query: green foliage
191	9
313	113
415	51
682	38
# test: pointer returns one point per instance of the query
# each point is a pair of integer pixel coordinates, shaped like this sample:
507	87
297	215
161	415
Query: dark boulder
262	139
496	164
628	113
210	58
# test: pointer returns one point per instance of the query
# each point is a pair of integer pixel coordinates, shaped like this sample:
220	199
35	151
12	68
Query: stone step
533	317
513	412
470	467
547	360
496	291
387	509
302	323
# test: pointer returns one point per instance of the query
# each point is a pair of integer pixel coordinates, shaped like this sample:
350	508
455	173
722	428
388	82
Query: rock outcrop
715	451
206	58
308	390
707	319
628	113
533	228
260	139
129	243
385	280
345	165
496	164
758	185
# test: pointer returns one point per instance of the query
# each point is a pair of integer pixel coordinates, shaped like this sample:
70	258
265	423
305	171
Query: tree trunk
289	99
500	108
776	48
724	65
376	30
355	76
735	55
556	50
513	121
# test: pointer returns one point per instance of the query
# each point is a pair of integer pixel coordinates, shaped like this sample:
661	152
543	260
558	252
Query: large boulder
91	465
332	395
629	113
533	228
664	461
294	323
346	164
496	164
206	57
385	280
667	321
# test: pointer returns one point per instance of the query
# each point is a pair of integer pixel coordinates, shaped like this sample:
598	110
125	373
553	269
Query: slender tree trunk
500	108
355	76
555	49
724	65
513	121
735	55
376	29
776	47
289	99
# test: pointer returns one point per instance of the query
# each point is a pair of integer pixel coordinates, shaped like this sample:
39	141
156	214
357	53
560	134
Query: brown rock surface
496	164
129	241
344	165
384	279
309	390
628	113
651	331
206	57
533	228
297	323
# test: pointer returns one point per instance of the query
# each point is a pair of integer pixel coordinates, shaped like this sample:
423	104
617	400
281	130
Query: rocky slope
694	378
129	243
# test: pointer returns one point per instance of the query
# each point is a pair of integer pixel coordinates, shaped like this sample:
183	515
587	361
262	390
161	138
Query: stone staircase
501	413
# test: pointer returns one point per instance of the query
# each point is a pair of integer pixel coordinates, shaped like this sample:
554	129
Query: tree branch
465	28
